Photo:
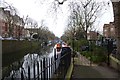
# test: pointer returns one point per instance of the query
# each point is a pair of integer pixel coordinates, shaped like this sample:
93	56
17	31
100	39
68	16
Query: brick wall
109	30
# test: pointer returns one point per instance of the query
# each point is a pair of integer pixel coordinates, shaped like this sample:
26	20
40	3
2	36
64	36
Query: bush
97	55
86	53
98	59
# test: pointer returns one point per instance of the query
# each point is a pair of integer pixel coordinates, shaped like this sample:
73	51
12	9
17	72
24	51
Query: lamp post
73	39
60	1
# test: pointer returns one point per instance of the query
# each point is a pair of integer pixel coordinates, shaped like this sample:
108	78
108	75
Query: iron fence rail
47	67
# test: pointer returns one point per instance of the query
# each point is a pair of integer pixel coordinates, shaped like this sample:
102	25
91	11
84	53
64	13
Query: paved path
84	69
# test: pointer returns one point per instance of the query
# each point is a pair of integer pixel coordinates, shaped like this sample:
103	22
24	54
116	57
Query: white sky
55	21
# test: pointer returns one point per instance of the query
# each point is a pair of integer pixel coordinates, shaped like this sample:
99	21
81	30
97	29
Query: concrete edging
116	60
69	72
115	63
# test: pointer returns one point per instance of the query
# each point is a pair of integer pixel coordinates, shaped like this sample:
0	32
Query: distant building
92	35
2	21
30	31
109	30
116	10
10	25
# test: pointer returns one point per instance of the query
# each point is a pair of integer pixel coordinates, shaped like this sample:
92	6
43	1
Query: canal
13	65
44	63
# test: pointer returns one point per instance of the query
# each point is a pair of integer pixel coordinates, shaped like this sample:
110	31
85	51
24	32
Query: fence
47	67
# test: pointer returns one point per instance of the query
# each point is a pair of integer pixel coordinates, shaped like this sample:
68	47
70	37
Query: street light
73	39
60	1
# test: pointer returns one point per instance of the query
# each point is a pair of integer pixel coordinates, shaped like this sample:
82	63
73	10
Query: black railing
47	68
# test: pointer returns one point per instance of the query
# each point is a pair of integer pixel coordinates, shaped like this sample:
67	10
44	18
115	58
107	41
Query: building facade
11	25
92	35
3	22
109	30
116	10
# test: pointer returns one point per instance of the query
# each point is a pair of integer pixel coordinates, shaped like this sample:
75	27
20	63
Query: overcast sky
54	20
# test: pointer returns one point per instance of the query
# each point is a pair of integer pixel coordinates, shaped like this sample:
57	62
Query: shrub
97	55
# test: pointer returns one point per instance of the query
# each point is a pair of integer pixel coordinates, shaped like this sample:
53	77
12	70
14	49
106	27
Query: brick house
116	10
10	25
3	23
109	30
18	27
92	35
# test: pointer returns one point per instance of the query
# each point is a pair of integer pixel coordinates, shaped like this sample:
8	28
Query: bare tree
44	33
84	14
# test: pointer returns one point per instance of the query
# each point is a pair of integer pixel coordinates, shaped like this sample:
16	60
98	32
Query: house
18	27
3	23
11	25
109	30
92	35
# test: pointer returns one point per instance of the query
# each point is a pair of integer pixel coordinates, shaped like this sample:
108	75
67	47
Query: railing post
34	70
28	72
44	68
49	68
38	69
12	77
55	58
41	69
22	76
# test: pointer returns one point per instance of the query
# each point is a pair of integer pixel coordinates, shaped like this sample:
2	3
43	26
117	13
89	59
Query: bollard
28	72
38	69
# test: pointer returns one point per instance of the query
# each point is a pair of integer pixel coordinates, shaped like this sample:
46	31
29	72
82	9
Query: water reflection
32	61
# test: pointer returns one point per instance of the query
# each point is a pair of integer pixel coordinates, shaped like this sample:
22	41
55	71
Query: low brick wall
115	63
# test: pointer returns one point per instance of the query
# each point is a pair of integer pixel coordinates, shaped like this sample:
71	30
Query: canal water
27	67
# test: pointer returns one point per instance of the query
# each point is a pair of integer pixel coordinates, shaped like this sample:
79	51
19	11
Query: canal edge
69	72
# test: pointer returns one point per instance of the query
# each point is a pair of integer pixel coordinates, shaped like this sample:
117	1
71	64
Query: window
112	29
105	30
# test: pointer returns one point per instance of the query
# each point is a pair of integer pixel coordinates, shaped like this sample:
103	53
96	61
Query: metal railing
47	67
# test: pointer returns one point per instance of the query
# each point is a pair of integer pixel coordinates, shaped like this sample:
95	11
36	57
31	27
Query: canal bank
32	62
13	51
35	66
11	46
